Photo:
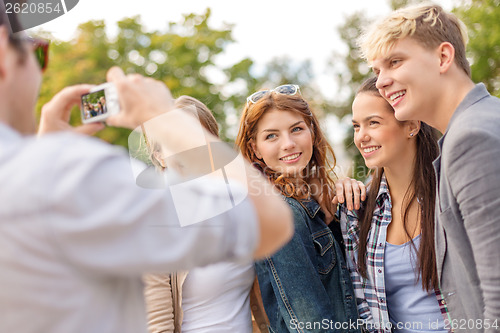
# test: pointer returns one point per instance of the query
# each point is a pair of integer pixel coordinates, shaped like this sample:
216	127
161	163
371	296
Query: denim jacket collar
311	206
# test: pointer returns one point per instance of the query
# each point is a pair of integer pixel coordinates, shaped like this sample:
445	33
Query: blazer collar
476	94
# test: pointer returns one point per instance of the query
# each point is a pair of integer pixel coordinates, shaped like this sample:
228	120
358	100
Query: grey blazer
468	214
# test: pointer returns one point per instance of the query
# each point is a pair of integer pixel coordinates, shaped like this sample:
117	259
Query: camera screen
94	104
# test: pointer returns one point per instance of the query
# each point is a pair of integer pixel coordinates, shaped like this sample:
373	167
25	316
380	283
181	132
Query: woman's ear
413	127
255	150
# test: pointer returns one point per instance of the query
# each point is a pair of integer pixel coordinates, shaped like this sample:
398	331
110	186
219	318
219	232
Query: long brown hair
320	167
422	189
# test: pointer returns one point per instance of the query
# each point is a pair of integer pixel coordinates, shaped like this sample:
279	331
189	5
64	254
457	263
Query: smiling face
409	78
382	140
284	142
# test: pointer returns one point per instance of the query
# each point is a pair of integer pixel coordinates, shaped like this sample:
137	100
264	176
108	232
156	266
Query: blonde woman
214	298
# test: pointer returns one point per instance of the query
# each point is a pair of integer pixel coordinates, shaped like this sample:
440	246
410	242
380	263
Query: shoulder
293	203
71	153
474	130
67	160
349	220
57	167
480	118
300	215
471	139
305	208
297	209
54	156
70	147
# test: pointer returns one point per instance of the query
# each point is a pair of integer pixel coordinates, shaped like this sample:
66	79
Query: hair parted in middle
318	174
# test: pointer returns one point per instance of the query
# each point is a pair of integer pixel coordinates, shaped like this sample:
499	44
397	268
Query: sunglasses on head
286	89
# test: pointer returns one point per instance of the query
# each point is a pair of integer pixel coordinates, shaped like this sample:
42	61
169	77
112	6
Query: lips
396	96
290	157
367	151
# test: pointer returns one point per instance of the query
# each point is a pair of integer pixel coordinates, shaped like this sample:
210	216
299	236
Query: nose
383	80
288	142
361	136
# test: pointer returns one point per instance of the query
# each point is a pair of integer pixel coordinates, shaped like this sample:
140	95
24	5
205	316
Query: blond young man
418	54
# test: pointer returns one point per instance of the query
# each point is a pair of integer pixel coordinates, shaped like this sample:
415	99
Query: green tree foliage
348	79
482	18
278	71
182	57
284	70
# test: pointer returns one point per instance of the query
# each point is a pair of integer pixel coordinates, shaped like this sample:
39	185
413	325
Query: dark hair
11	22
319	168
422	189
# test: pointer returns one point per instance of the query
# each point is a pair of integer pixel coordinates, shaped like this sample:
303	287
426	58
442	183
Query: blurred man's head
20	74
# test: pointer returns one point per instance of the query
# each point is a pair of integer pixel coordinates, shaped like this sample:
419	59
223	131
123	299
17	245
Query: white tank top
216	298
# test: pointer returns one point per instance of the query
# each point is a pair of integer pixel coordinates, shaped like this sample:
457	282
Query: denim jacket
306	286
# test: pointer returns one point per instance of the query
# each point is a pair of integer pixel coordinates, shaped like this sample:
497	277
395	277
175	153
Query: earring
411	134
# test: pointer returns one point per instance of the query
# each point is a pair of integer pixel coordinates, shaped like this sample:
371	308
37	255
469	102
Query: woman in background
214	298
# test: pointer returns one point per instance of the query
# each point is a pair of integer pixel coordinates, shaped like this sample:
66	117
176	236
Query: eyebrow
391	55
367	118
275	130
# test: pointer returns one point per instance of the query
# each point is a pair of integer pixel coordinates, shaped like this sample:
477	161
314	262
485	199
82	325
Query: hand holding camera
140	98
99	103
125	101
56	113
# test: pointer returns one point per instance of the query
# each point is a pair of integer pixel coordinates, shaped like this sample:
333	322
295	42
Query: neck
23	125
22	122
453	93
399	178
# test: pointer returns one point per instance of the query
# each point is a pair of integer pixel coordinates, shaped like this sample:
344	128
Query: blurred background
221	51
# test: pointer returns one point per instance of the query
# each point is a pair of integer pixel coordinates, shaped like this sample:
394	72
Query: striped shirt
370	293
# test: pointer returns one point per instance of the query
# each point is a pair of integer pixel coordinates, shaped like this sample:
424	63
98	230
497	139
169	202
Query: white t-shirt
76	234
216	298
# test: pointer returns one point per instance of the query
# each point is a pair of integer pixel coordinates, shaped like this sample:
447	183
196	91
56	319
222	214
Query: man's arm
56	113
474	176
142	99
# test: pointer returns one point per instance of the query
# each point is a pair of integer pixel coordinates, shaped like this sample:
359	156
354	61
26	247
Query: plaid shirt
370	293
